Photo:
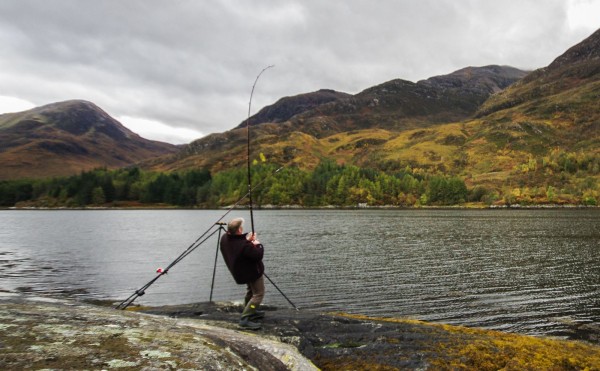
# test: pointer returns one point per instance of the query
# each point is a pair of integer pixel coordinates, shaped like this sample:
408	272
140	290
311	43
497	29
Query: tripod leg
212	284
281	292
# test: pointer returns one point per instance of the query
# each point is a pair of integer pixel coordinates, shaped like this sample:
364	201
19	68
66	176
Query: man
243	255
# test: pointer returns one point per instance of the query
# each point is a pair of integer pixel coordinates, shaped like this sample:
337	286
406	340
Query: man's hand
252	238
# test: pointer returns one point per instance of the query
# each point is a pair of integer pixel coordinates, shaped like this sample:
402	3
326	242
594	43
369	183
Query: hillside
580	65
544	131
68	137
324	123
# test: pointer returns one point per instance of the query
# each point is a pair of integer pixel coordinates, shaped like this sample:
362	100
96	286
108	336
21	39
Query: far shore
470	206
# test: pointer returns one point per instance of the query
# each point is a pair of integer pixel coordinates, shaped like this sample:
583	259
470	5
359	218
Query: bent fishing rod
248	146
250	177
199	241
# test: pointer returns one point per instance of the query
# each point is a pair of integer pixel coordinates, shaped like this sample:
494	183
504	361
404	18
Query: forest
329	184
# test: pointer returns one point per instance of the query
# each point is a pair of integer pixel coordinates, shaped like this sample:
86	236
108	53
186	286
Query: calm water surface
528	271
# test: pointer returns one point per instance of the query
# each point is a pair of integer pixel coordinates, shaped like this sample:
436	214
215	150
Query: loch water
526	271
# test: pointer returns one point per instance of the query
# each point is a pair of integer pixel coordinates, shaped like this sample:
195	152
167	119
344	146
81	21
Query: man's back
242	257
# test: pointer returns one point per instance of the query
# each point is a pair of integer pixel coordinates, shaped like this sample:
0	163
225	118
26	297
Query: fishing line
281	292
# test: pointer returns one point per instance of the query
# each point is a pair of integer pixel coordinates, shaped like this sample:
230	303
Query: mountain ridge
394	105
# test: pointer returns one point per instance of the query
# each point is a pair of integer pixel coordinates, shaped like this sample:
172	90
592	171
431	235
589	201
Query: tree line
328	184
558	178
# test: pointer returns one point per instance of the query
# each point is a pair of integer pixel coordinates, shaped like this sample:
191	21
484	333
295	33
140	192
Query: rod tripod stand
142	290
199	241
212	283
203	238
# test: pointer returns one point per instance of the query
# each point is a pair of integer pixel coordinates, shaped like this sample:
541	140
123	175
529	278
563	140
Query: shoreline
55	333
329	207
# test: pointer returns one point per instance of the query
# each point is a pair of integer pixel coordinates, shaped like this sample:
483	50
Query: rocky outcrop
287	107
43	333
40	333
337	341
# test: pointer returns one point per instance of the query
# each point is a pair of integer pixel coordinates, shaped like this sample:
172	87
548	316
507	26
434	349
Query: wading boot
249	315
252	313
245	323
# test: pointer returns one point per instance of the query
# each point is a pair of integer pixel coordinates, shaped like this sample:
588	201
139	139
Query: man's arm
253	249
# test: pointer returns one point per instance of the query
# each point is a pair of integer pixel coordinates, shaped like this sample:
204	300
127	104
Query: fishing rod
250	177
248	147
199	241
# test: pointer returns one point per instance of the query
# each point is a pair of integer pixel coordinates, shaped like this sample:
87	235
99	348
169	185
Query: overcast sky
177	70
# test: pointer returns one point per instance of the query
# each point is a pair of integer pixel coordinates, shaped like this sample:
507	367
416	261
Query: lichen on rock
66	335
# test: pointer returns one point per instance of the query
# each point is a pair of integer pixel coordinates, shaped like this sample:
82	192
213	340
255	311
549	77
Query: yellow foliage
479	349
426	147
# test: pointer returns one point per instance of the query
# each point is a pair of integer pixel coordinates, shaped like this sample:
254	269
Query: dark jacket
242	257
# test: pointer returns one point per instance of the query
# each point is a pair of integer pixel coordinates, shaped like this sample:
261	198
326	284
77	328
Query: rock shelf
44	333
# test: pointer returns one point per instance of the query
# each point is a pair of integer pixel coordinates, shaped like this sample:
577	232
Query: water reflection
531	271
